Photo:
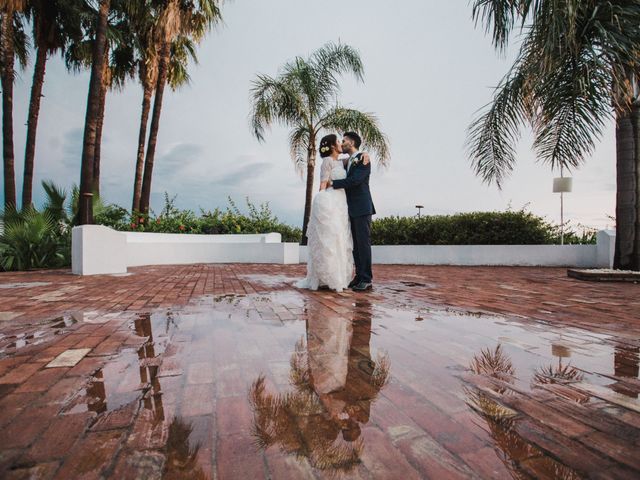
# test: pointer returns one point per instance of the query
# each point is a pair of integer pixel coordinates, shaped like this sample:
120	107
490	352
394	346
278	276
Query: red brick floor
227	371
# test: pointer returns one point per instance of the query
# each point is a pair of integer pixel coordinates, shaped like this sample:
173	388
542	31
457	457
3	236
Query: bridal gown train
329	246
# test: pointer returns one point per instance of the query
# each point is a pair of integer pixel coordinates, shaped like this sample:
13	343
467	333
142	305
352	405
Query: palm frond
275	101
366	124
56	199
499	17
492	137
299	147
21	42
330	62
574	103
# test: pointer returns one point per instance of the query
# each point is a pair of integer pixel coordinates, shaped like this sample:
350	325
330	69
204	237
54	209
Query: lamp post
562	185
419	207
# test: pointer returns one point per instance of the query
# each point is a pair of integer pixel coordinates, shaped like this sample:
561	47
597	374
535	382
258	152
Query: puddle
24	285
269	280
331	386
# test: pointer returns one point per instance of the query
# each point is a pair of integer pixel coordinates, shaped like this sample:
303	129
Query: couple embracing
339	229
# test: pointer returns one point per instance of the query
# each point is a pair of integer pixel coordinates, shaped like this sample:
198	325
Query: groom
361	208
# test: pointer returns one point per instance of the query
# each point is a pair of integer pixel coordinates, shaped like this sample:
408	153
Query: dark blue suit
361	207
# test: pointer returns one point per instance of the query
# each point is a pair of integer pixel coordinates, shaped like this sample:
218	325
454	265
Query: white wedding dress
330	246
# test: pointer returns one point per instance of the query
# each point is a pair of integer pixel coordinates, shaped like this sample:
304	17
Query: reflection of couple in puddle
335	381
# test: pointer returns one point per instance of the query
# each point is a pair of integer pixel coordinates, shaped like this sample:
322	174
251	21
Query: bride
330	246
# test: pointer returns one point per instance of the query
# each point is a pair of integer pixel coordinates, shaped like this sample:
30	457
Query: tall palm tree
302	97
147	61
91	120
13	43
182	50
577	68
192	19
118	66
54	22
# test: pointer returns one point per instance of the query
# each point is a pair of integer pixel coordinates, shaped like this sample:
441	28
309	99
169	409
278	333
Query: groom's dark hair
357	141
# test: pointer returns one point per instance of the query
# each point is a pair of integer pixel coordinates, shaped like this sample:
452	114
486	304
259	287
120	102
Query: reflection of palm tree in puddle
335	381
148	371
182	457
551	374
510	447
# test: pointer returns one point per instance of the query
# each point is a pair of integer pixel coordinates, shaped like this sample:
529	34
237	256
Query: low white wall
580	256
170	253
96	249
523	255
139	237
100	250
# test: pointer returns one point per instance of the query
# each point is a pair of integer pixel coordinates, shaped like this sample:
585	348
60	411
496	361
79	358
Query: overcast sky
427	71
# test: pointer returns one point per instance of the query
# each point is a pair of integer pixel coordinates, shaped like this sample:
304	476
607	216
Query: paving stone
178	353
68	358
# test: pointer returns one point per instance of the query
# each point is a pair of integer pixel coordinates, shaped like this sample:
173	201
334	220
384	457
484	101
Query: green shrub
171	219
478	228
259	220
33	239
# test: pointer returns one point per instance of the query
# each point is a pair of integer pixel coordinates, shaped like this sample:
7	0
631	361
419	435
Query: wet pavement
229	372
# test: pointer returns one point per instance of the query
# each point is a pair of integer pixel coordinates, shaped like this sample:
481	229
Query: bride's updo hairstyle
326	143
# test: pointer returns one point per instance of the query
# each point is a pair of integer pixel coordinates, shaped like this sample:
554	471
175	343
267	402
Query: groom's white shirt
350	162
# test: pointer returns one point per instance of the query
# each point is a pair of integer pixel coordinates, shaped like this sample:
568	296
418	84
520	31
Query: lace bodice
332	169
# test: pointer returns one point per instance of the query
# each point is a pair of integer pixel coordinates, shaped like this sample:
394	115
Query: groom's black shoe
362	286
353	282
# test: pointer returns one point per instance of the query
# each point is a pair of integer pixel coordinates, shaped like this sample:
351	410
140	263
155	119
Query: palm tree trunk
145	195
635	120
100	123
7	110
32	126
91	120
311	167
625	192
142	136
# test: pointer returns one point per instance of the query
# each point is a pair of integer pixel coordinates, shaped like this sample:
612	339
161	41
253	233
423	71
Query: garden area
41	238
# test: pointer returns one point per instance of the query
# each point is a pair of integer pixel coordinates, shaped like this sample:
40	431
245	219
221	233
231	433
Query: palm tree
577	67
118	66
13	42
302	97
91	119
182	50
54	23
147	74
193	20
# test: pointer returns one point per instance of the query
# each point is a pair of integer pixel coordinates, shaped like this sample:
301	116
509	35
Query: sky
428	70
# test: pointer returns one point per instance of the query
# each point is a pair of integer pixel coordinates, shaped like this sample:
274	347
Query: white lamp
562	185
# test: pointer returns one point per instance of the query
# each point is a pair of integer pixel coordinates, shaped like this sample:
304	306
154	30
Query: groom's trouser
361	233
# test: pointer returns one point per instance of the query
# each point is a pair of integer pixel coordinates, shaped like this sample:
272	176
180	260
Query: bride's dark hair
326	143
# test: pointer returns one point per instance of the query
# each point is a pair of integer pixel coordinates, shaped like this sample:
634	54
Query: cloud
178	157
244	174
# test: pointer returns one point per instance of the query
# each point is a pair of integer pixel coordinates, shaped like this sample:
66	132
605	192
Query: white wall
581	256
522	255
100	250
97	249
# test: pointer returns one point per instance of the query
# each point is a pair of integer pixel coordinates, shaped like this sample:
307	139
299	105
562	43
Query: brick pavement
226	371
